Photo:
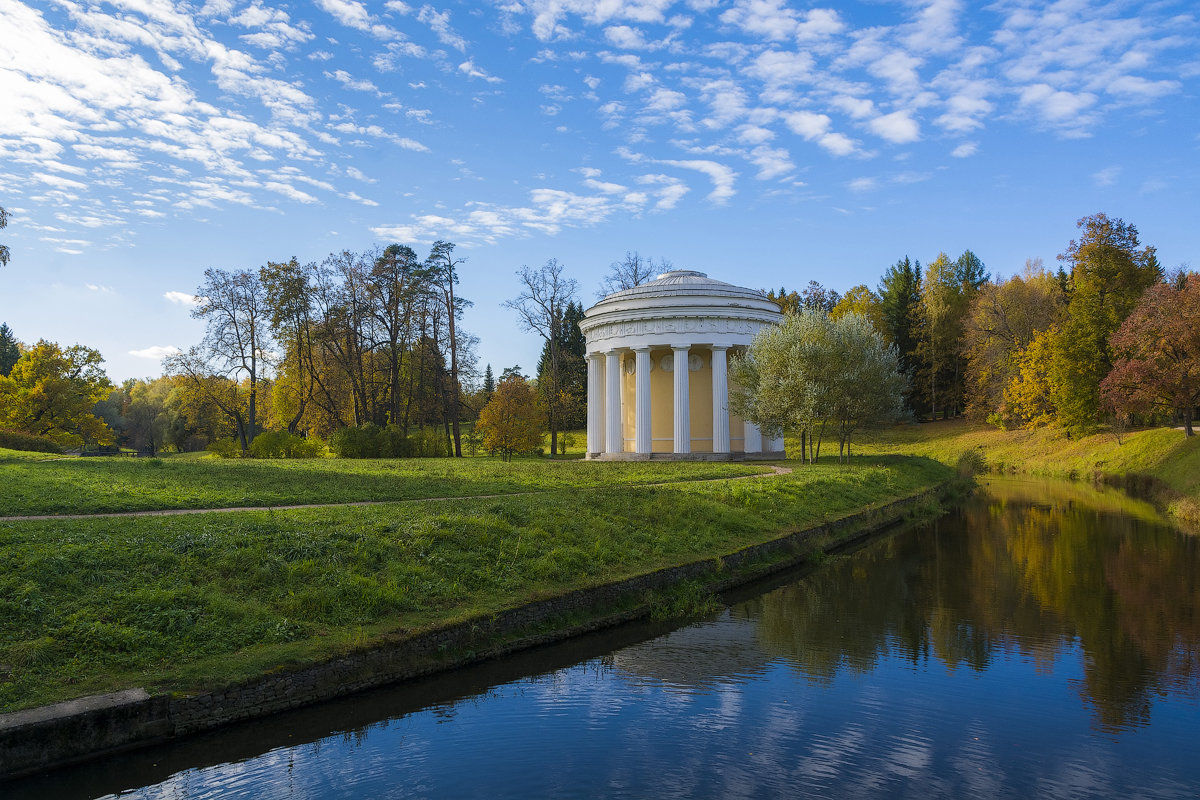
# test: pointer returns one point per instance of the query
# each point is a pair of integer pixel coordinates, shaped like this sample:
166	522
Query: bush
17	440
371	441
281	444
360	442
225	448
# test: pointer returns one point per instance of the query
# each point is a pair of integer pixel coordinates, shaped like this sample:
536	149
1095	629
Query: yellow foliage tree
1029	397
512	420
51	392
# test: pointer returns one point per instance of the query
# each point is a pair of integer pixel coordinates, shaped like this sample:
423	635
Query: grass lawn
1164	454
185	602
63	485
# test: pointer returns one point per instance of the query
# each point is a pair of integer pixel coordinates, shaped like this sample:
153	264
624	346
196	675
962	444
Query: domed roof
678	283
680	305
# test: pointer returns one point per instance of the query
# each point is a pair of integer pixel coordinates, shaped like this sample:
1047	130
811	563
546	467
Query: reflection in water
1042	642
1027	570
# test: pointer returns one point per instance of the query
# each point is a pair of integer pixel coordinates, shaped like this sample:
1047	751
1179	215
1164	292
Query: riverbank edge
38	739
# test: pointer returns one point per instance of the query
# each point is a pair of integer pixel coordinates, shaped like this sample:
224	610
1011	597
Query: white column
683	414
753	438
720	400
595	404
612	402
641	424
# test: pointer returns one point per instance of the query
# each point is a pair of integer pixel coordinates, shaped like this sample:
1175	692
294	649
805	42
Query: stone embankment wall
34	740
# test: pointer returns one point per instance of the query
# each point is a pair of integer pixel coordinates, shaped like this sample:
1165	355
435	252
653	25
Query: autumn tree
289	307
1001	321
1157	350
511	421
1029	397
541	307
235	309
864	302
51	391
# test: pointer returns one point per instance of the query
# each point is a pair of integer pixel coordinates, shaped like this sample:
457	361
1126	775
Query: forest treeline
366	350
1106	340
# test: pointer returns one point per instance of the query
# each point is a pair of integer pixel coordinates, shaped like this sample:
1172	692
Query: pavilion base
767	456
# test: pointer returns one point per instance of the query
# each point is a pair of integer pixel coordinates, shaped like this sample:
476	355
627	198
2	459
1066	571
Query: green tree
489	384
10	349
147	418
810	372
899	299
1109	272
940	296
52	391
512	422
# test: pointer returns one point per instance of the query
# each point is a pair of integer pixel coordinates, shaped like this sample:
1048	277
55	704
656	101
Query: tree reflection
1018	570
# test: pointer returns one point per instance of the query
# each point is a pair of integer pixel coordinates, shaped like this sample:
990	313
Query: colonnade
605	433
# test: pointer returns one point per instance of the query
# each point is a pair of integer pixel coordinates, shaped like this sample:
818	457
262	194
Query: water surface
1042	640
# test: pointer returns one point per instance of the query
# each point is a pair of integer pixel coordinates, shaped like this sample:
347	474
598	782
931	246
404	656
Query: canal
1042	640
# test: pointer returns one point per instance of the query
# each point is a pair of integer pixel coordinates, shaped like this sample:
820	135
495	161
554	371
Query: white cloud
1107	176
156	352
182	298
723	177
439	23
898	127
468	68
965	150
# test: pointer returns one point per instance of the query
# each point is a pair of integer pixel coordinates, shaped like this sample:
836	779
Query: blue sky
766	143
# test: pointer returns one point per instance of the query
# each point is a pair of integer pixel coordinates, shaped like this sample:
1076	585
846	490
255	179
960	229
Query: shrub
281	444
360	442
225	448
18	440
371	441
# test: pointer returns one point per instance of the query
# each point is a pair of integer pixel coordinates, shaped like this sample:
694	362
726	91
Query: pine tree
899	296
9	351
489	384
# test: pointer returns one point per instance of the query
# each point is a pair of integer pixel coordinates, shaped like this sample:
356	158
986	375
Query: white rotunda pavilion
658	384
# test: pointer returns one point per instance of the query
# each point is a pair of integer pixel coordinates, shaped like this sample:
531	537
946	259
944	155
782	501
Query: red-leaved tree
1157	351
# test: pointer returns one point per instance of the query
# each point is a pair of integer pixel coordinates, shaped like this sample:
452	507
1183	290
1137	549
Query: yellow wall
662	409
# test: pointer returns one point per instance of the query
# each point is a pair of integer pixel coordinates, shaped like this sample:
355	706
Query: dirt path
170	512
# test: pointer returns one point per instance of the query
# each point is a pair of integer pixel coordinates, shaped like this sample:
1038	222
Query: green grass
91	485
185	602
1164	455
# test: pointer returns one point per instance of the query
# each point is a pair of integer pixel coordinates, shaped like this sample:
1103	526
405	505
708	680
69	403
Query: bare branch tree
3	247
541	306
631	271
234	306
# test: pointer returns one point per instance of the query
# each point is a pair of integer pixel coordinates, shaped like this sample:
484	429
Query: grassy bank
1159	463
40	485
180	603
